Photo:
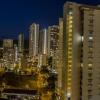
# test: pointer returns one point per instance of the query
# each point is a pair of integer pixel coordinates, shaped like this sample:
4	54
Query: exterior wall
96	56
86	55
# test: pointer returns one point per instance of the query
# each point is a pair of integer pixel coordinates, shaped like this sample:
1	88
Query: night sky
17	15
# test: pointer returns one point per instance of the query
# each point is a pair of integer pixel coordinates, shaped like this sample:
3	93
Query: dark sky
17	15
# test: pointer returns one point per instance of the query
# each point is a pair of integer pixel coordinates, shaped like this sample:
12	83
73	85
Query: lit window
70	13
70	30
69	43
81	64
70	34
70	39
70	49
69	53
69	70
70	26
68	95
70	17
69	84
69	88
70	22
69	61
90	38
69	78
69	65
90	65
82	38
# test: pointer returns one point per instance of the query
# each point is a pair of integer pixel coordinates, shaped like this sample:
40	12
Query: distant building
59	53
21	42
43	41
16	53
7	43
33	39
8	54
53	38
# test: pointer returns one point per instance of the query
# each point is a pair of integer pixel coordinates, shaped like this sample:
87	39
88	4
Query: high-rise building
43	41
53	38
16	53
71	51
7	43
59	54
91	49
53	42
71	54
21	42
81	52
33	39
8	54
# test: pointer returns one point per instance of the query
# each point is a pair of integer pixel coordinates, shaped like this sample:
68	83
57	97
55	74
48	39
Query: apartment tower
33	39
81	75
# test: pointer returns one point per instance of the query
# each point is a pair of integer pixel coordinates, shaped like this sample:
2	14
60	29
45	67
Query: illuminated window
70	65
70	26
69	88
70	22
70	39
90	38
69	84
70	13
69	78
82	38
70	30
90	65
70	17
69	71
70	48
69	61
70	35
81	64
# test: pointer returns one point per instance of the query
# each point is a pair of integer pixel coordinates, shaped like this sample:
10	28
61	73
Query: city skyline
16	16
60	61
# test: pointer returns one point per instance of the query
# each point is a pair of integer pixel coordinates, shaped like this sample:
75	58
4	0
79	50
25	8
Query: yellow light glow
70	48
70	17
68	88
69	61
70	30
70	22
70	35
69	53
70	39
90	65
